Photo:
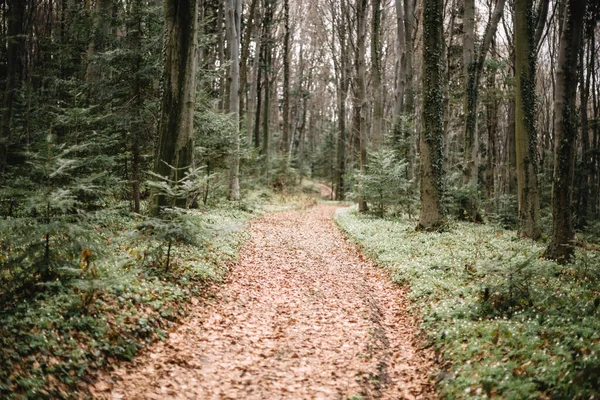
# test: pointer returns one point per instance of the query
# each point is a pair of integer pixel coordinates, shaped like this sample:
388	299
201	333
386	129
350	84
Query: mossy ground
504	322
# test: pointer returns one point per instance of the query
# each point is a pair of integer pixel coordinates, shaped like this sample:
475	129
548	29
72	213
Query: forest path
302	316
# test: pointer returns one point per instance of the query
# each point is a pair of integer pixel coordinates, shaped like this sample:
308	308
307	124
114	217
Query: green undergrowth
52	341
504	322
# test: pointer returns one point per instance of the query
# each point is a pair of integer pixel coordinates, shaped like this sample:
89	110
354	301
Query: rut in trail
302	316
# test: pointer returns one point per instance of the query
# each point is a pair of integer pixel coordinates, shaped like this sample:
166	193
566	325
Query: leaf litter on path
302	316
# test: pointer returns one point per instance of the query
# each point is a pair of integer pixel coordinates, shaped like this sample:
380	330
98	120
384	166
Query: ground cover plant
503	321
104	307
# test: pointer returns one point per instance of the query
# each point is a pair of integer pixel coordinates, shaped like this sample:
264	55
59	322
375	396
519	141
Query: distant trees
309	88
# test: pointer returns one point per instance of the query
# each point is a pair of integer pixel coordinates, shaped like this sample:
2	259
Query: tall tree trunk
525	131
400	67
259	86
432	170
267	104
361	93
492	131
249	31
473	72
376	72
176	129
584	177
136	156
14	45
344	73
234	11
267	66
285	141
595	156
409	23
565	122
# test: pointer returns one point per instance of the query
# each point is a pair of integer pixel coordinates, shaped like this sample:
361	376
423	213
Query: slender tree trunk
595	156
448	78
234	10
565	122
285	142
432	169
16	15
584	177
267	72
525	131
223	93
361	93
409	23
249	31
259	86
136	156
473	72
492	131
176	129
400	67
267	105
376	72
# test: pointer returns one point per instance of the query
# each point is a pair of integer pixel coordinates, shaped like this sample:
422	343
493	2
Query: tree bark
492	131
431	216
565	122
361	93
176	129
376	72
285	141
14	45
525	131
234	11
409	23
473	73
250	23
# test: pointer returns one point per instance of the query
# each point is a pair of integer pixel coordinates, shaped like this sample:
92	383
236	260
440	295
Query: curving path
302	316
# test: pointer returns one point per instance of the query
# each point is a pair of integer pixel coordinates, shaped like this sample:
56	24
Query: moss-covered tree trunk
565	125
431	216
525	133
175	146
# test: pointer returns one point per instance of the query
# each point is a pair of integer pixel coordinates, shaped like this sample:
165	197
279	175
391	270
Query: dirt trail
302	316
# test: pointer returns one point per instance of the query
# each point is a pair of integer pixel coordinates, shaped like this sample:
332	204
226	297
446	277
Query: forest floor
301	315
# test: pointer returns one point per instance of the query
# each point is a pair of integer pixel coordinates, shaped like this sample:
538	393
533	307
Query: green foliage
114	302
505	322
46	226
385	184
